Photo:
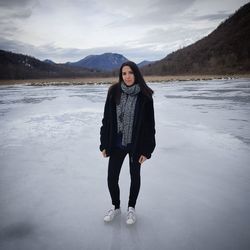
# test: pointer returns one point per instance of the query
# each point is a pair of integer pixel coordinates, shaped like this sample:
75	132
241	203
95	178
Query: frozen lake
195	190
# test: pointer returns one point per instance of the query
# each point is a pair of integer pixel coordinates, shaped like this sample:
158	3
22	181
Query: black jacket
143	136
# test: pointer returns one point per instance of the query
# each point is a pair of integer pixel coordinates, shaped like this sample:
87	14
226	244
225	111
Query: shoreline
110	80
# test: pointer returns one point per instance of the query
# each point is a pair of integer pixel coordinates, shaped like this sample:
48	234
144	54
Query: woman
128	127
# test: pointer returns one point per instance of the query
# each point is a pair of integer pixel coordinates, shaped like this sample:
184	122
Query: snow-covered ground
195	191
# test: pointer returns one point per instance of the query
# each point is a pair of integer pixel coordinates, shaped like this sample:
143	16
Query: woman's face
128	75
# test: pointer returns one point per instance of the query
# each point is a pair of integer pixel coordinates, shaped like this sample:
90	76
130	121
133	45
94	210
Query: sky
69	30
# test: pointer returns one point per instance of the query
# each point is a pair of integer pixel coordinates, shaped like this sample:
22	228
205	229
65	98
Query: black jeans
114	167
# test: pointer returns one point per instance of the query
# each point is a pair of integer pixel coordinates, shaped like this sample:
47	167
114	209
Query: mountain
19	66
106	61
49	61
225	50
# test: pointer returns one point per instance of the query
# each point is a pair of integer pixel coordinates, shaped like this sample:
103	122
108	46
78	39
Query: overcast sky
69	30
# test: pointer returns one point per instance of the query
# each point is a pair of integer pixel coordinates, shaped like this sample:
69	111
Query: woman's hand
104	153
142	159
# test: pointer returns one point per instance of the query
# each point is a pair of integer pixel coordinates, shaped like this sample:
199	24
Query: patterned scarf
125	111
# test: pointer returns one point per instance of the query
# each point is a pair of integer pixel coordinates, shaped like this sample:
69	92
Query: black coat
143	135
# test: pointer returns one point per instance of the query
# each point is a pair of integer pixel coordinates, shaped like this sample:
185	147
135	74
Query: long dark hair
138	78
145	89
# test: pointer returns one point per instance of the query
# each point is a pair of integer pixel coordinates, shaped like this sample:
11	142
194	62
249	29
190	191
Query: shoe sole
130	222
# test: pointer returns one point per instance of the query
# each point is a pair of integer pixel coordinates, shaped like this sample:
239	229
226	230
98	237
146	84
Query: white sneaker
131	218
112	212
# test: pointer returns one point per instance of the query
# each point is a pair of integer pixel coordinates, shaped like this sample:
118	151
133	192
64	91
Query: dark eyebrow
130	71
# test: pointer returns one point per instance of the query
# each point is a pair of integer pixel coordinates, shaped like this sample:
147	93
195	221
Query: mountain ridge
107	61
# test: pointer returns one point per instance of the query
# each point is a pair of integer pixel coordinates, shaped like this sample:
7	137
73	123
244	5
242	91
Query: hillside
18	66
144	63
225	50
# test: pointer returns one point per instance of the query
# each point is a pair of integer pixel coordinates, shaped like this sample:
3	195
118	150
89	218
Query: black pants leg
115	163
114	168
135	170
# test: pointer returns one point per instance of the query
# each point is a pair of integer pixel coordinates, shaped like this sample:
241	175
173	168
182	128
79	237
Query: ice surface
195	191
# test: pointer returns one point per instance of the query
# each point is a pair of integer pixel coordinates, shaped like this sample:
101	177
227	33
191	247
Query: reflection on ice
195	189
203	96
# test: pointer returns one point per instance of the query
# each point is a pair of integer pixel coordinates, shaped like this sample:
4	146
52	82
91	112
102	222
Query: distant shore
110	80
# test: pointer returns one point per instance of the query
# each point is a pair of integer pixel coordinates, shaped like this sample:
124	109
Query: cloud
12	11
22	14
165	8
170	38
14	3
62	55
68	30
158	12
17	9
218	16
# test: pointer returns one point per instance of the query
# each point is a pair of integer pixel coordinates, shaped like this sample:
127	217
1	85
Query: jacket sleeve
104	130
149	132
